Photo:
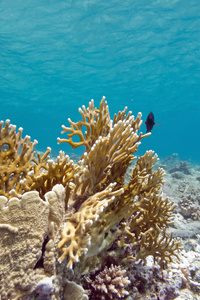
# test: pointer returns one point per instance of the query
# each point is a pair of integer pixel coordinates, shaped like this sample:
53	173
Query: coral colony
57	216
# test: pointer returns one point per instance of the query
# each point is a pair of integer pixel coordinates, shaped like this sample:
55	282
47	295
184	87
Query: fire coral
90	202
101	207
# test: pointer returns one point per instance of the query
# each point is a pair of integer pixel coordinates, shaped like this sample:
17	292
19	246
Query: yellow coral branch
96	121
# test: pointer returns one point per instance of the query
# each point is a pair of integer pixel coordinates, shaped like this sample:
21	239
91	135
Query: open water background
57	55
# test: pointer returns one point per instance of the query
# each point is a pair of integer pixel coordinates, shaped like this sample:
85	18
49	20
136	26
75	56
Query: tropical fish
150	122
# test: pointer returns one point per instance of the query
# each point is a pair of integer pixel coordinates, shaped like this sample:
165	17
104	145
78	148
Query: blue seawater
56	55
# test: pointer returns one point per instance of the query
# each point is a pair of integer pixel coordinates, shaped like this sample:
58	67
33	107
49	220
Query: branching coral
99	207
96	121
16	158
21	170
45	175
136	209
92	218
110	283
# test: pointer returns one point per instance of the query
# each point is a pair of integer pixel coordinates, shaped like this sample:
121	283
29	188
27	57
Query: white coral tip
76	259
101	209
71	184
30	173
12	191
50	161
96	217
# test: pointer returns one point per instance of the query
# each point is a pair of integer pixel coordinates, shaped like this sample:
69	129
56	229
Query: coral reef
100	199
110	283
21	171
89	202
43	290
182	166
74	291
189	209
182	186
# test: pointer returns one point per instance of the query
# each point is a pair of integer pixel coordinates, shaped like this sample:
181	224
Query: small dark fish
150	122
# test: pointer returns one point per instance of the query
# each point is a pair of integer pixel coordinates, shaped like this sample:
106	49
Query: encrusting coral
99	208
24	226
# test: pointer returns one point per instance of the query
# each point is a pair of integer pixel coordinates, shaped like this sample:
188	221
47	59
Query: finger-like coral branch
21	171
16	159
96	121
110	147
77	235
